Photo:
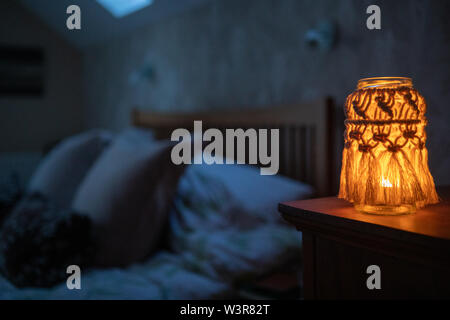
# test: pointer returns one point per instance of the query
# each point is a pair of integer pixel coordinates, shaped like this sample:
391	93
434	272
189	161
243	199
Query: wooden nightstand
339	243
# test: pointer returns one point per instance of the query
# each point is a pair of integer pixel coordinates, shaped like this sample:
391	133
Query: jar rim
384	82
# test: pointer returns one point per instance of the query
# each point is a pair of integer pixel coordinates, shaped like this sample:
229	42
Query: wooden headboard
305	132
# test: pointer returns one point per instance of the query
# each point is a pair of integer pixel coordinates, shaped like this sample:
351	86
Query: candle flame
386	183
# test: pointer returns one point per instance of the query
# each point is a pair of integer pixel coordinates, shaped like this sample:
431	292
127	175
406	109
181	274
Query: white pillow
60	173
127	194
246	189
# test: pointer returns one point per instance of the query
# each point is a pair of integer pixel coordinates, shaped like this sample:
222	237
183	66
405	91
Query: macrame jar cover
385	161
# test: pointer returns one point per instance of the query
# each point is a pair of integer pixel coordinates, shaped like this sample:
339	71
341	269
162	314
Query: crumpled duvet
161	277
215	244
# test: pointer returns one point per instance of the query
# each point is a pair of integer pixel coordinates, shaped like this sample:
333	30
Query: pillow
38	241
226	217
61	172
127	194
243	187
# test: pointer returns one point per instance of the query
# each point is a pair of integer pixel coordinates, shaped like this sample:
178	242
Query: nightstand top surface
432	221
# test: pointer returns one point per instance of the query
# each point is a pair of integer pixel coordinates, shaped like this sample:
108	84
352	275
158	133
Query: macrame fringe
391	178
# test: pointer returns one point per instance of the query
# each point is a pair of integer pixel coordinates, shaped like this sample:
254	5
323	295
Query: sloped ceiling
97	24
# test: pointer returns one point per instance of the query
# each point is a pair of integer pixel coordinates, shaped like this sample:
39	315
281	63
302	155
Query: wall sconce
385	161
323	37
146	72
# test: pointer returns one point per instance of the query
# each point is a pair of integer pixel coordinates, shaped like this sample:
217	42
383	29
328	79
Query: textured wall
29	123
250	53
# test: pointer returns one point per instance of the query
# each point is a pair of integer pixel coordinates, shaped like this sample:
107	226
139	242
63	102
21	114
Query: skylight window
121	8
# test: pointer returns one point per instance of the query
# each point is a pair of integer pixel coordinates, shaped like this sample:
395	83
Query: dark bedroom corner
205	151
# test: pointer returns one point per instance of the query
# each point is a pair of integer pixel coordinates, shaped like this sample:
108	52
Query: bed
306	134
224	237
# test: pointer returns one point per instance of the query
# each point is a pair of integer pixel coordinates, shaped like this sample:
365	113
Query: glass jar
385	161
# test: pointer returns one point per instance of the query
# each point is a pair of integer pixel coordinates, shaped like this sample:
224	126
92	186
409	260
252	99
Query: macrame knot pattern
421	145
394	148
364	147
409	134
354	134
386	105
384	158
380	137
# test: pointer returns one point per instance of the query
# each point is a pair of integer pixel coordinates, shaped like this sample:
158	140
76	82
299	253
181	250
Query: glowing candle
385	161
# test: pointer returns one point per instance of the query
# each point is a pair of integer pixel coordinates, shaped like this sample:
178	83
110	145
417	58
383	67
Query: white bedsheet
215	241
